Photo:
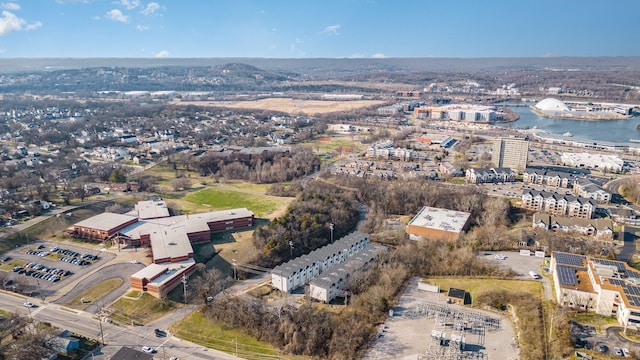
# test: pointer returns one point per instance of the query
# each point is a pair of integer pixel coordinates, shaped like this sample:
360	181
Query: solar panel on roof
634	300
569	259
617	282
617	264
567	275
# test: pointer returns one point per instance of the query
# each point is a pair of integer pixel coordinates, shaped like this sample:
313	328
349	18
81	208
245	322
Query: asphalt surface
629	238
120	271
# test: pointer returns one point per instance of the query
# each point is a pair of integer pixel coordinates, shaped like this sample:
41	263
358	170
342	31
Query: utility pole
100	323
235	340
101	332
184	284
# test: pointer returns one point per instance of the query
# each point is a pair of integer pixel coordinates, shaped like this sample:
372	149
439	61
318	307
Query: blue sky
321	28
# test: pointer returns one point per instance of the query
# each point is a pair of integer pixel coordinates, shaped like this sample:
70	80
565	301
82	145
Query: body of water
619	131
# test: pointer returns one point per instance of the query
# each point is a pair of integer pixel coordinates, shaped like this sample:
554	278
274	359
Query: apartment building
489	175
606	287
297	272
601	229
510	152
558	204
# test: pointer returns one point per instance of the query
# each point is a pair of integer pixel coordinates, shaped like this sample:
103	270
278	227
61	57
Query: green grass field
331	145
94	293
142	310
222	199
198	329
476	287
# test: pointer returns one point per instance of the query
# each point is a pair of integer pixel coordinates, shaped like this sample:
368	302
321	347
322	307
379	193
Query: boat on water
567	134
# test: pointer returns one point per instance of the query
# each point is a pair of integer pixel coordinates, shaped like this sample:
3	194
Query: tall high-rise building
511	153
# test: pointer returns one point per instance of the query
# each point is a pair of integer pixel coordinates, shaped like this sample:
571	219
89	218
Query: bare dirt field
288	105
407	333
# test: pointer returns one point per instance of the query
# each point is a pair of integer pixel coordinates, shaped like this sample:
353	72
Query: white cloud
378	56
34	26
10	22
151	8
10	6
117	15
130	4
356	56
162	54
332	29
142	27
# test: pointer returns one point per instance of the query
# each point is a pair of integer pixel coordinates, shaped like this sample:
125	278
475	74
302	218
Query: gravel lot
404	335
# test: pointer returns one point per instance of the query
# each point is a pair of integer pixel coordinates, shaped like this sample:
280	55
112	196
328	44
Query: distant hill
318	66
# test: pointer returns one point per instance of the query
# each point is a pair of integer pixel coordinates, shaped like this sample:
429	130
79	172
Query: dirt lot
288	105
405	334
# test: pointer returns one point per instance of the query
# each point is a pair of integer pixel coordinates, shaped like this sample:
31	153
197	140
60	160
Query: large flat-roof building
511	153
601	162
607	287
170	238
102	226
159	279
438	224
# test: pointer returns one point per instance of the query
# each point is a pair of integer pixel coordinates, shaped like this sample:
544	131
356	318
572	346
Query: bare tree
211	282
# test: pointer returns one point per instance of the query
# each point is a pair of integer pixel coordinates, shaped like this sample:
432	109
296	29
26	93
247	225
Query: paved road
115	336
628	236
120	271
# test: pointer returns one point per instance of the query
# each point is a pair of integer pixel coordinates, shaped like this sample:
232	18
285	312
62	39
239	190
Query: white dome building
552	105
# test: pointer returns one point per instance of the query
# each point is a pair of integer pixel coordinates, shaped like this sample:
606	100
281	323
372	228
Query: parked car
160	333
500	257
148	349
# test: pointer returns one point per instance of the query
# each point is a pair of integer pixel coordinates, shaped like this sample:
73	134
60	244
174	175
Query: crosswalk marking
37	310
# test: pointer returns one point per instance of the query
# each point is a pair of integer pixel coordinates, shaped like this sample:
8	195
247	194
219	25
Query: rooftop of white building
441	219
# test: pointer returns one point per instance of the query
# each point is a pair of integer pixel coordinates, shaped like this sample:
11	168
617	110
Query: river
618	131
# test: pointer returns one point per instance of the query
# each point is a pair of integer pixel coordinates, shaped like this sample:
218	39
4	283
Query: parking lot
516	262
43	268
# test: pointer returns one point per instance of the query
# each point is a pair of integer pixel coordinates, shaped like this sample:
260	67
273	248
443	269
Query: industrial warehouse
170	238
438	224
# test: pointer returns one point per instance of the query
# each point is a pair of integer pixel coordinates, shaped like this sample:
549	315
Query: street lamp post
331	228
235	276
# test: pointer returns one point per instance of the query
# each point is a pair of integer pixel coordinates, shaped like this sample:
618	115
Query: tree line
306	225
266	168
